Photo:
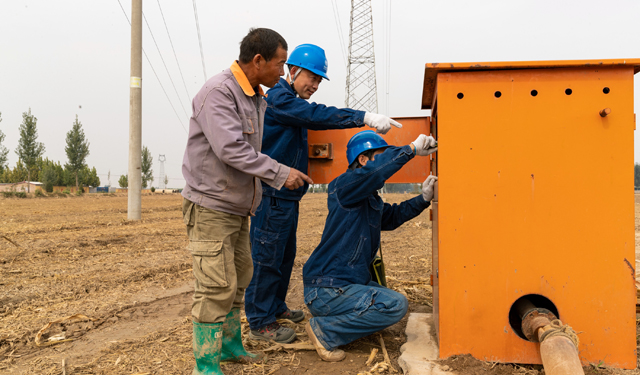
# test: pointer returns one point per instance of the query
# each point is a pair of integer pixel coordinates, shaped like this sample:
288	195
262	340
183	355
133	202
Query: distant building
21	186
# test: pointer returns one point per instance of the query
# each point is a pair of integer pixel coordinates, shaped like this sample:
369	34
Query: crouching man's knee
402	308
393	305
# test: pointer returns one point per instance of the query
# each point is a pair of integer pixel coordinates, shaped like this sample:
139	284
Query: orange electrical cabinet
328	151
535	198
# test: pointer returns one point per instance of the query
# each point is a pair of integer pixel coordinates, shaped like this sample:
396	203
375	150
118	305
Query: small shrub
66	191
8	194
153	190
39	193
79	192
21	194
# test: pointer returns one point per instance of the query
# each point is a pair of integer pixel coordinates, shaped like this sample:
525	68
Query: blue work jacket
285	131
356	216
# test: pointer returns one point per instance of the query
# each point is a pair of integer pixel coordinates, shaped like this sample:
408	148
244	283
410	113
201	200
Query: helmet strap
293	78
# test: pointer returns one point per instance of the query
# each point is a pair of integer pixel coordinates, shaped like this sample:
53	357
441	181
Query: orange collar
243	81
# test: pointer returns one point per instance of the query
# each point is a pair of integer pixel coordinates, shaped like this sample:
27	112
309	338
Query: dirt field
132	284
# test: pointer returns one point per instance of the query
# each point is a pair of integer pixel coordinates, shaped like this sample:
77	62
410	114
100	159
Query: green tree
47	174
123	181
636	176
89	177
68	177
49	177
147	162
29	149
3	150
77	150
17	174
59	173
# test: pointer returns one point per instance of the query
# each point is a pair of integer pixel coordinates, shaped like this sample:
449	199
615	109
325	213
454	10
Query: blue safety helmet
364	141
310	57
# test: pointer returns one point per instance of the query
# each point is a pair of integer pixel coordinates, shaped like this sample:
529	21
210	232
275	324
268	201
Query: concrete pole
135	114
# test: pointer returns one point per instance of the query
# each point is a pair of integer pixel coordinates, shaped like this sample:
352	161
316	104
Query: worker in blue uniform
338	288
273	229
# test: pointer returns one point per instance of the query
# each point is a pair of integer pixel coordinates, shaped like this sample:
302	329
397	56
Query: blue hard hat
310	57
364	141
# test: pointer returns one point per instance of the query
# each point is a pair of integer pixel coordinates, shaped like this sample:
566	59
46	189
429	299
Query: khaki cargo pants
222	265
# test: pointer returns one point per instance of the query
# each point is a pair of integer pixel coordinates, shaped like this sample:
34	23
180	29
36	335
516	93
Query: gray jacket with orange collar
222	162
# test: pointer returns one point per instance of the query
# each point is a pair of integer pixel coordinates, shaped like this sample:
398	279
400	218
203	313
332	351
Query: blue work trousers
273	249
343	315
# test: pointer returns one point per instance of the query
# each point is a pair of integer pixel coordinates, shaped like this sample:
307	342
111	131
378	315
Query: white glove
427	188
381	123
425	145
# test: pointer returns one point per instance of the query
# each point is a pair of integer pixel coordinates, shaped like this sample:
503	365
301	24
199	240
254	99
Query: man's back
285	129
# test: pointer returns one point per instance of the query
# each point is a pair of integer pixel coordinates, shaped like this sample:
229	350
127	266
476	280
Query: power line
174	51
336	17
154	72
388	56
165	65
195	12
165	91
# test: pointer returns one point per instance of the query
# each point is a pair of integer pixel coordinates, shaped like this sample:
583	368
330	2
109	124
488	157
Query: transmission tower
162	159
362	93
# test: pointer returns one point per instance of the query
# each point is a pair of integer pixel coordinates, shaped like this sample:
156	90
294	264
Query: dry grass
79	255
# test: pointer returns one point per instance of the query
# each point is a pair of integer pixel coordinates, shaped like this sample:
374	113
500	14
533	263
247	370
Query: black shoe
275	332
293	315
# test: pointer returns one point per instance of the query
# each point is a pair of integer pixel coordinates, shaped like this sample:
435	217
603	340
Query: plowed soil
131	283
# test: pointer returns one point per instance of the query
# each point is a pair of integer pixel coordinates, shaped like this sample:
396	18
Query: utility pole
362	92
135	114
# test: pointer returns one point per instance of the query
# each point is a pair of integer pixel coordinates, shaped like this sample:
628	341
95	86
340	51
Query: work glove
427	188
425	145
381	123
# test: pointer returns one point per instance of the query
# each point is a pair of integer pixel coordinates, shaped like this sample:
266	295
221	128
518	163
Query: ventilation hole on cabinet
534	92
606	90
497	94
460	95
568	91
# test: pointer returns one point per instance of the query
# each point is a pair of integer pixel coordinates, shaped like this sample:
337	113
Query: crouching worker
338	289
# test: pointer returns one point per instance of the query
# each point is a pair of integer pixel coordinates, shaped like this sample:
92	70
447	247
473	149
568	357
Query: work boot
207	341
232	348
334	355
275	332
293	315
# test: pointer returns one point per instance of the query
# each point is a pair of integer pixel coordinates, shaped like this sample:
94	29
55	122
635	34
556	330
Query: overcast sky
62	58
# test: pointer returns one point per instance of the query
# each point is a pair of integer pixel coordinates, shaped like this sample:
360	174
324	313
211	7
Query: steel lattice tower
362	93
161	184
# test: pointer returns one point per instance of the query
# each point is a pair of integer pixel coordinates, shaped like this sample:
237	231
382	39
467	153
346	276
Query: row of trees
32	167
147	172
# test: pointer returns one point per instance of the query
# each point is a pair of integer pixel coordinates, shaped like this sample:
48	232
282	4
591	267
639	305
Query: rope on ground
556	328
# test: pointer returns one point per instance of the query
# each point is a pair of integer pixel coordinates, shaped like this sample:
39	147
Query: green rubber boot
232	348
207	342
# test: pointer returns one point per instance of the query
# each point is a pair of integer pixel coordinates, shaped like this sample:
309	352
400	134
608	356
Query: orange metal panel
432	70
535	196
323	171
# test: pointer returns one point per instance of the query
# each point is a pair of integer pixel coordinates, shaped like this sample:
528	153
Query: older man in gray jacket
222	167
